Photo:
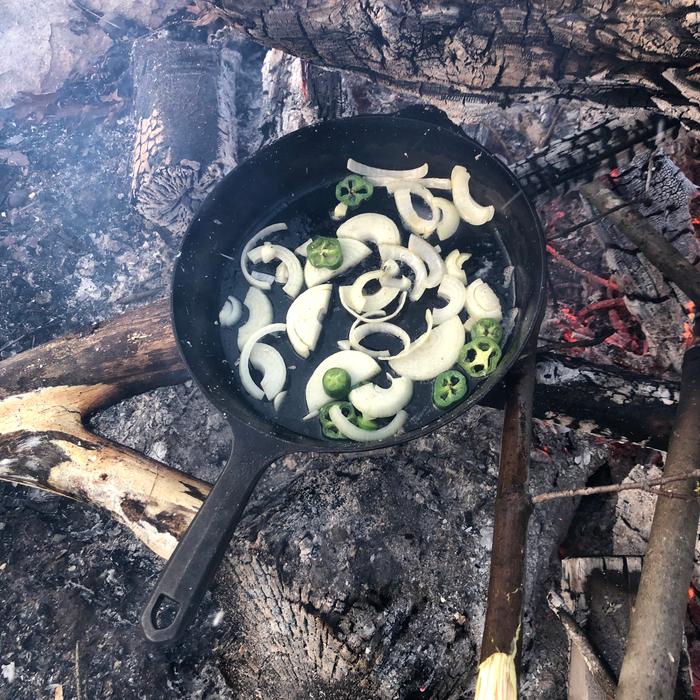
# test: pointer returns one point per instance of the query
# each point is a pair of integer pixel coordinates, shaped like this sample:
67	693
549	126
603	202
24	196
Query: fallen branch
512	513
645	485
590	276
47	393
650	666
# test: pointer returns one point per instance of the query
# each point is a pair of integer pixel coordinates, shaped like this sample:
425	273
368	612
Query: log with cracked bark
623	53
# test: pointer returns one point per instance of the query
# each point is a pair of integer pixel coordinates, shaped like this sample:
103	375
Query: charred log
625	54
182	145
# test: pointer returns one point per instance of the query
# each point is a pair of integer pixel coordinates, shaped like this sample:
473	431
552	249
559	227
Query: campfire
543	540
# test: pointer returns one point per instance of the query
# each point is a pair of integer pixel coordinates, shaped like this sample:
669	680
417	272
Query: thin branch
591	277
645	485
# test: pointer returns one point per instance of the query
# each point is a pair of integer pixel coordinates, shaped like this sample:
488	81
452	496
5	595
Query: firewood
626	54
47	394
650	666
183	146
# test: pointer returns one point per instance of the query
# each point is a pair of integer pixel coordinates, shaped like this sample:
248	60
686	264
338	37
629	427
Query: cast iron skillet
253	195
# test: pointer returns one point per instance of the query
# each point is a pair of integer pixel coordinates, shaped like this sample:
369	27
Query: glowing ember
687	334
615	173
691	592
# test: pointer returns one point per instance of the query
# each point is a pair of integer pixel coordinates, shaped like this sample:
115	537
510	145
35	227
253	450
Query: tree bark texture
650	668
623	53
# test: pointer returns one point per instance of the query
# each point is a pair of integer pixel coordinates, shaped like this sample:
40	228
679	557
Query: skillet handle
191	567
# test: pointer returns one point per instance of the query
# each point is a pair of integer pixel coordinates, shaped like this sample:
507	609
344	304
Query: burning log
623	54
175	164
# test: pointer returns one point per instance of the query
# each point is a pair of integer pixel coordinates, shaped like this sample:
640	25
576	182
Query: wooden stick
645	485
650	666
653	245
512	512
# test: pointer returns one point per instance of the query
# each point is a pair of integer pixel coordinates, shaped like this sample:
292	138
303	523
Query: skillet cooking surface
293	181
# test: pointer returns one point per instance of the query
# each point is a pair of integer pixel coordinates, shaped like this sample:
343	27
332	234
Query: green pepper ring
352	190
487	328
325	251
479	357
336	382
449	388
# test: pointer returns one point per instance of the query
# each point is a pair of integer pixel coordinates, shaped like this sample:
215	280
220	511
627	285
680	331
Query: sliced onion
402	283
374	401
361	302
420	340
354	252
397	252
454	263
230	313
472	212
281	273
481	301
262	277
259	236
370	317
340	211
453	290
412	220
359	331
244	367
268	361
301	250
259	314
277	401
449	218
435	355
369	171
269	252
431	258
376	228
359	366
304	318
344	344
352	432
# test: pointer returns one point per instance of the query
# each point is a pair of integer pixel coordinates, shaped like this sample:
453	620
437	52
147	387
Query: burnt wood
620	53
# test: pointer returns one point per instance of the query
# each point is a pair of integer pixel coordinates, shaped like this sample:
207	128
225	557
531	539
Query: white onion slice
340	211
453	290
259	236
359	366
435	355
420	340
402	283
344	344
376	228
361	302
244	367
268	361
354	252
301	250
262	277
370	317
369	171
481	301
472	212
281	273
431	258
397	252
412	220
449	218
277	401
259	314
269	252
304	318
454	263
352	432
374	401
230	313
359	331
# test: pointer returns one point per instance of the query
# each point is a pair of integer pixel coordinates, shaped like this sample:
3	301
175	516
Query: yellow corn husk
497	679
